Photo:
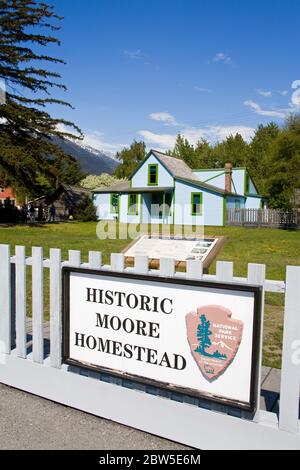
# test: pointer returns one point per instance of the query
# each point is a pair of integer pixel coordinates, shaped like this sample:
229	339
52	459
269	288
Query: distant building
65	200
164	190
7	193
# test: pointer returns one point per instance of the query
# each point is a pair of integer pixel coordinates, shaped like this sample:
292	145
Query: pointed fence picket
49	379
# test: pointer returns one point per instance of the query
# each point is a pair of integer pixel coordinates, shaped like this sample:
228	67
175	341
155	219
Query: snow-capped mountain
222	345
92	161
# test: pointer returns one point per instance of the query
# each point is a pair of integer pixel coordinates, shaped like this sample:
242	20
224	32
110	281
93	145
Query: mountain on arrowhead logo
214	338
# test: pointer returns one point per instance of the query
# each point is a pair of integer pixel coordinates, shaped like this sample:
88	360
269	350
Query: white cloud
283	92
281	113
134	55
163	141
217	133
194	134
95	139
222	58
264	93
202	89
164	117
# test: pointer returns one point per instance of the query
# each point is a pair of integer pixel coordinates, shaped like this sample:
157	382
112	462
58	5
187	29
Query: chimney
228	177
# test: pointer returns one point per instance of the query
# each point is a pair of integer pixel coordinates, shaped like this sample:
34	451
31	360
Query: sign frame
257	290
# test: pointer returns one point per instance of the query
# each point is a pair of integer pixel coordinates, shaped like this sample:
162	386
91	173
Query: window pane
132	204
197	204
153	174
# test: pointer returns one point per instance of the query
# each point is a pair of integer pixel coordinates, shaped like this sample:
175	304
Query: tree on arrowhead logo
214	338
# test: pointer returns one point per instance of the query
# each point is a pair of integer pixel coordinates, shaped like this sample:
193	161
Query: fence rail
182	422
263	218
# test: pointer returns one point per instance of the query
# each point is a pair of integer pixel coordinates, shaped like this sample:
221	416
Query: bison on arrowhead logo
214	338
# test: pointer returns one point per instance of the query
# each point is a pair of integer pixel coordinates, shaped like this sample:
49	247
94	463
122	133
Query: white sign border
250	406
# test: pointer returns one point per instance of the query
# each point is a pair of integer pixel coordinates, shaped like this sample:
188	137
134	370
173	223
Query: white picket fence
181	422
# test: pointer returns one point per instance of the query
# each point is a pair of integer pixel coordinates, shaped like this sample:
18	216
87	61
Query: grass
275	248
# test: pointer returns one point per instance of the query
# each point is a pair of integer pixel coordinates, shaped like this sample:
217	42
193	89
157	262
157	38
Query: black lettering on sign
129	351
132	301
139	327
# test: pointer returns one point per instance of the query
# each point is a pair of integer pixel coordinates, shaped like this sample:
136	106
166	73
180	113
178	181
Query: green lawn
275	248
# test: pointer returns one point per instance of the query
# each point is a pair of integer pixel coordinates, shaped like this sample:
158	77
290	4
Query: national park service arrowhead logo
214	338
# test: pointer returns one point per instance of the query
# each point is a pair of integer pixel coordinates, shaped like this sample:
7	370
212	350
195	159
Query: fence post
55	308
290	370
194	269
141	264
95	259
37	304
21	301
167	267
5	300
224	271
256	276
117	262
74	258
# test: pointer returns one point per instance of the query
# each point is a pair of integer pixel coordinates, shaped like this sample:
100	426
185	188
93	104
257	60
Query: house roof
75	190
181	171
176	166
74	194
124	187
209	187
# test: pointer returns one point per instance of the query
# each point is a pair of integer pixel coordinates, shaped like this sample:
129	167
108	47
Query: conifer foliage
27	152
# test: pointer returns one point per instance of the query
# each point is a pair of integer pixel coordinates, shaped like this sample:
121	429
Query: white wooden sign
194	337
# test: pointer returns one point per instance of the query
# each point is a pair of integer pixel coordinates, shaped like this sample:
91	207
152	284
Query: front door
161	207
157	209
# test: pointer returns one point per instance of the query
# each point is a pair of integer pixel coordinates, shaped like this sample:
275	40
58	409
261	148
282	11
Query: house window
114	203
237	204
152	175
196	203
132	204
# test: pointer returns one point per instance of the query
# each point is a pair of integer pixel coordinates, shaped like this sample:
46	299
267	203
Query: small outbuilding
65	198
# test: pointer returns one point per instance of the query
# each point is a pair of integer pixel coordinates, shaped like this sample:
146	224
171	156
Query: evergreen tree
204	156
130	158
184	150
203	334
284	166
233	149
86	210
26	128
259	154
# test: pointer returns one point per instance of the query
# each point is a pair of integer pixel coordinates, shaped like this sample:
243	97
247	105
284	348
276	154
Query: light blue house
164	190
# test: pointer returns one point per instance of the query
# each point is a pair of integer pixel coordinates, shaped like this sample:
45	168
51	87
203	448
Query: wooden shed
65	199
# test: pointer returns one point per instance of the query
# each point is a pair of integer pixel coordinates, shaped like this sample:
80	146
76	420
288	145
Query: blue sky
147	69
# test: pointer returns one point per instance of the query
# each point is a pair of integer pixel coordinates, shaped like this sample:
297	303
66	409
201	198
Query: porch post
141	208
